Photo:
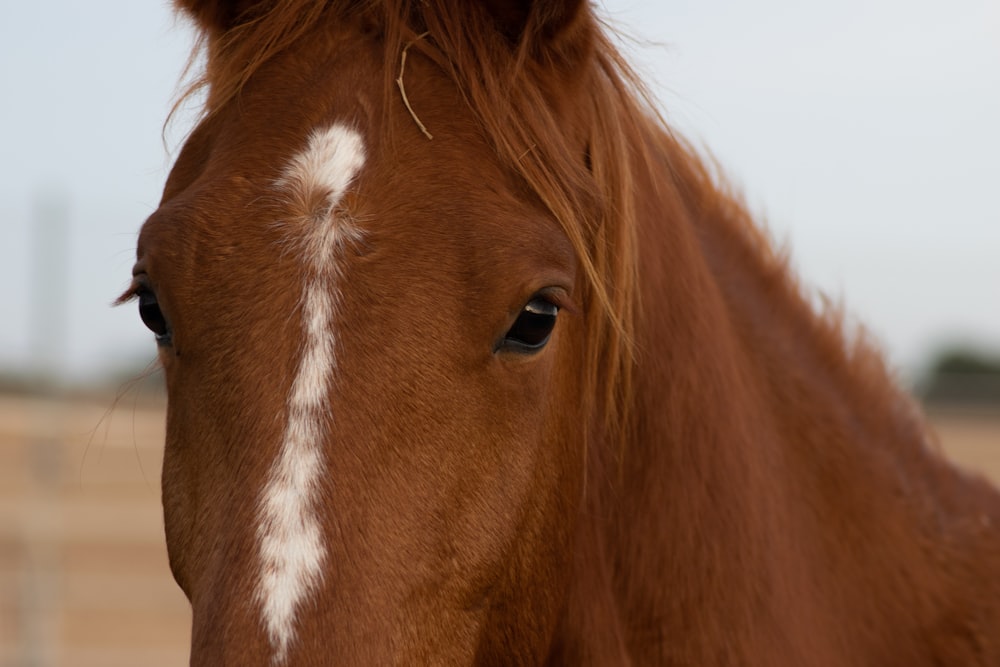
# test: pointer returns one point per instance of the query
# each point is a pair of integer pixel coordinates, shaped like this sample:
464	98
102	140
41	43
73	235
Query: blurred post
40	586
50	284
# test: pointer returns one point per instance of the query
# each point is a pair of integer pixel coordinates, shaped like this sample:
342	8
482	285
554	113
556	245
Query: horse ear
220	16
545	20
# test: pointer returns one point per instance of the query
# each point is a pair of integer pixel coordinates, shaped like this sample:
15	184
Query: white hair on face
289	534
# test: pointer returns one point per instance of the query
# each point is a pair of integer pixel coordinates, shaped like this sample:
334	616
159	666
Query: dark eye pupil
534	325
152	316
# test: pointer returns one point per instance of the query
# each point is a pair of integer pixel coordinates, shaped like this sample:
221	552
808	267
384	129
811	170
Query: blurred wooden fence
84	579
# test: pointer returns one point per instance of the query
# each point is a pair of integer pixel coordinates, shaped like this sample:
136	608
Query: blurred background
864	135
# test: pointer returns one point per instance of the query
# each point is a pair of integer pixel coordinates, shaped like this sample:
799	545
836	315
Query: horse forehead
261	178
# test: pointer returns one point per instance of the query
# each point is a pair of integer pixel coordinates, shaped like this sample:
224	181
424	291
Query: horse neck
779	497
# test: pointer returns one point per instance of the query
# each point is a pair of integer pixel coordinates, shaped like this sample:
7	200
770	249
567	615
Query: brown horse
470	360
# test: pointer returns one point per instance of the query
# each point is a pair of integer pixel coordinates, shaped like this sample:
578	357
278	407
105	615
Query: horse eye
533	327
152	316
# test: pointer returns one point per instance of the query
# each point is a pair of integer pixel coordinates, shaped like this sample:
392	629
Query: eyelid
559	297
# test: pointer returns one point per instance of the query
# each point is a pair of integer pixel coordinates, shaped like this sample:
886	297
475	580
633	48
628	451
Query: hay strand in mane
402	86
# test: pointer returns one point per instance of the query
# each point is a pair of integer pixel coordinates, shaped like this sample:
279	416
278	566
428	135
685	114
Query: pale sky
866	134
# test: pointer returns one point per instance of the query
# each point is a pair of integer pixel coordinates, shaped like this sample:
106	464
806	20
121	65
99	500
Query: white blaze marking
289	534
